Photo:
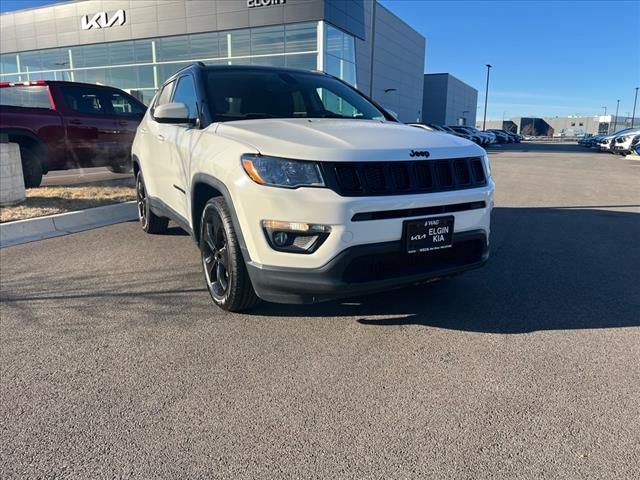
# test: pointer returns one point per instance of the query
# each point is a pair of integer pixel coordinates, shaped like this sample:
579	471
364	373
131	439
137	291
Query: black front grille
354	179
398	264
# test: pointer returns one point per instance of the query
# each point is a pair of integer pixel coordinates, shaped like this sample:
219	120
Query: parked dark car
477	138
62	125
501	136
511	136
440	128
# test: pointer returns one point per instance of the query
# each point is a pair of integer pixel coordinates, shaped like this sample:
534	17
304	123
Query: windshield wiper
252	116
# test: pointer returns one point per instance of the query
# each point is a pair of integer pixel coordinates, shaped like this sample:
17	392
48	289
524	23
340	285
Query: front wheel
225	272
149	221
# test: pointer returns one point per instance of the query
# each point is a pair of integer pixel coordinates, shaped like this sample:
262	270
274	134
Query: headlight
487	164
280	172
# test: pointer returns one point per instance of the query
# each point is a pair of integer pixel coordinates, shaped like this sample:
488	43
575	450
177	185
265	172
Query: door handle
123	122
143	131
160	138
75	122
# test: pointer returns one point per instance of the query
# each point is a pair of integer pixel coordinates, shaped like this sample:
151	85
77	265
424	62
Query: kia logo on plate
419	153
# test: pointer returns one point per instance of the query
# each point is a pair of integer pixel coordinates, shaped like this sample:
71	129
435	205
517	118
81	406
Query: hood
344	140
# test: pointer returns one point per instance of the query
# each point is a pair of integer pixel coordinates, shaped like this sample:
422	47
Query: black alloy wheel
215	256
141	198
224	268
149	221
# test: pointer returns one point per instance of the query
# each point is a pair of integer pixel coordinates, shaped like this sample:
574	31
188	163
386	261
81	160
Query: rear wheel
149	221
123	168
32	170
225	272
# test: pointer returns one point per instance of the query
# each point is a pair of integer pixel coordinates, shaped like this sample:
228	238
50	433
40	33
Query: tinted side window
37	97
186	93
85	100
121	105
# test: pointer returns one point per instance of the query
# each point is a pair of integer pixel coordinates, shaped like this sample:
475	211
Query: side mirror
172	113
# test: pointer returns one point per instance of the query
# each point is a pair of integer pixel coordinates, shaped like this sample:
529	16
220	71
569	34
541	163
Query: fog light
295	237
280	238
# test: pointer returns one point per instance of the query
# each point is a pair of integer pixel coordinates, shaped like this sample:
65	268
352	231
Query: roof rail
200	64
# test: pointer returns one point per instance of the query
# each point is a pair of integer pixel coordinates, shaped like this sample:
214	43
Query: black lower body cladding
368	269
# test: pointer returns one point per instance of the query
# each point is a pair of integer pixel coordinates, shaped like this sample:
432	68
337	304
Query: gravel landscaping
50	200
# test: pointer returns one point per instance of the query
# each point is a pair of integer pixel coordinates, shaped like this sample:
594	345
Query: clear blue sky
549	57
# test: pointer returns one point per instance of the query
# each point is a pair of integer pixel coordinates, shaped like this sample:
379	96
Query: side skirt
163	210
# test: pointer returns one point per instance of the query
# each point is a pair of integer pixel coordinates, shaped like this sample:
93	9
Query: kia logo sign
419	153
103	20
264	3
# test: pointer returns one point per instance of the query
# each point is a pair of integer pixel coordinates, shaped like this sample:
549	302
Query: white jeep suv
298	189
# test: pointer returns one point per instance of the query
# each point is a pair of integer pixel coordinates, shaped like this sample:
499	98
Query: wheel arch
203	188
28	139
136	165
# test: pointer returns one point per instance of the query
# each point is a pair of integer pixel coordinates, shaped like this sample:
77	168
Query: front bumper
323	206
365	269
621	147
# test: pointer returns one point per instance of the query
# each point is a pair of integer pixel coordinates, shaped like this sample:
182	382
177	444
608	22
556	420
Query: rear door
91	134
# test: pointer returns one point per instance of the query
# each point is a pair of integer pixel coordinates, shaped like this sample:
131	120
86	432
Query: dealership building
136	44
447	100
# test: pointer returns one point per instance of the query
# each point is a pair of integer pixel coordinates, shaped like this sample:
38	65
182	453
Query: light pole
615	122
486	98
605	111
633	116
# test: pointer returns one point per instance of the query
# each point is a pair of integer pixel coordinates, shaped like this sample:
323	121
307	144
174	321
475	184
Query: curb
32	229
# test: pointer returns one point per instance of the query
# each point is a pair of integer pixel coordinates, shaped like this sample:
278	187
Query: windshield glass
243	94
623	130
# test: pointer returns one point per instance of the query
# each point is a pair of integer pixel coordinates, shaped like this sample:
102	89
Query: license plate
428	234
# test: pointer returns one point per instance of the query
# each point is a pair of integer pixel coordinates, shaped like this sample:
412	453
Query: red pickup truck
63	125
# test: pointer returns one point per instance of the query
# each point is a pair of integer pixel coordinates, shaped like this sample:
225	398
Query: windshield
624	130
242	94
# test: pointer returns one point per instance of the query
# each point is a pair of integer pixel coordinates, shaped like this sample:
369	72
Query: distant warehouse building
136	44
570	126
447	100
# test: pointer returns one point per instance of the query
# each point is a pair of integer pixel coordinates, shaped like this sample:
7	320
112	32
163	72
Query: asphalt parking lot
115	364
80	176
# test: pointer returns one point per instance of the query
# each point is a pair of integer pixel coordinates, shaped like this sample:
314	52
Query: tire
32	170
124	168
225	272
149	221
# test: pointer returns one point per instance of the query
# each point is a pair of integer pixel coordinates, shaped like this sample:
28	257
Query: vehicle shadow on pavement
550	269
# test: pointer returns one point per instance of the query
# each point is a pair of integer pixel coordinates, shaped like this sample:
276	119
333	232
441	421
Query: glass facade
141	66
339	54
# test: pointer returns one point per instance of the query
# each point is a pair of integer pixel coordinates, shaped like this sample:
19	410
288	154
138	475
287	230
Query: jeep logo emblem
102	20
419	153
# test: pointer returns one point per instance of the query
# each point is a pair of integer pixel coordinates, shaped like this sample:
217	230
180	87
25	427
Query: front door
182	141
164	174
